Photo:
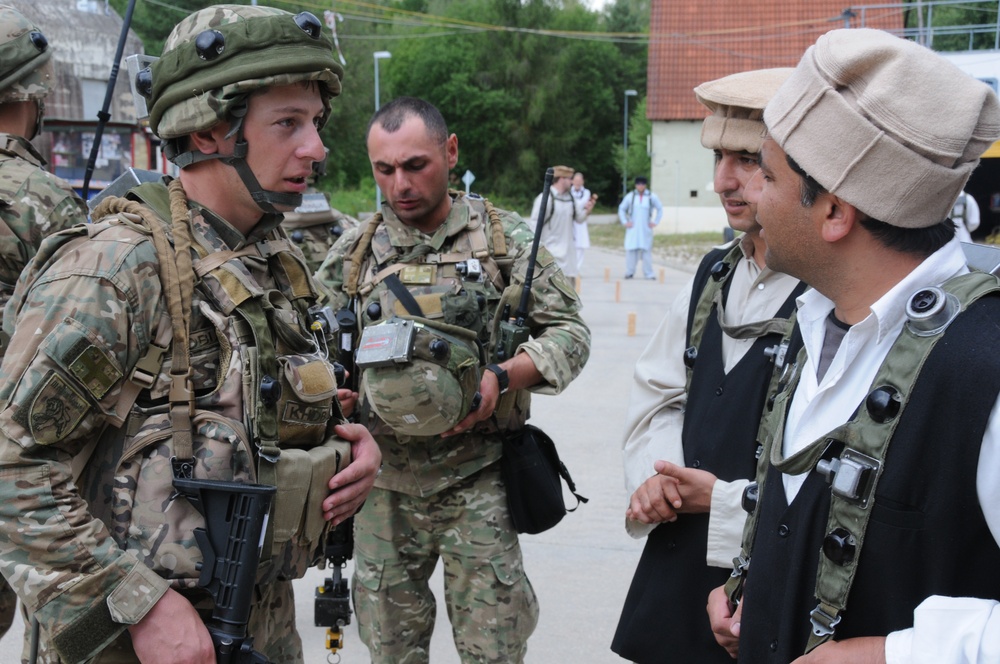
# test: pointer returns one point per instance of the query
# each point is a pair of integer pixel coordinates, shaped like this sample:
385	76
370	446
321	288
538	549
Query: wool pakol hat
884	123
562	171
737	103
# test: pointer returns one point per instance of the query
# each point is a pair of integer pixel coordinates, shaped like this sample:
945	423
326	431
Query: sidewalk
581	569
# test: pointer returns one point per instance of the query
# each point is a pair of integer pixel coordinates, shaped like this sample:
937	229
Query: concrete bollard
631	323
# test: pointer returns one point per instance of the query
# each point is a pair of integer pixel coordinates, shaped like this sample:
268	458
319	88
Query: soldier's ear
210	141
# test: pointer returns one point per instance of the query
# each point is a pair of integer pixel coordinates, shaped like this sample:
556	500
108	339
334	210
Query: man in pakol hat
874	530
684	439
563	212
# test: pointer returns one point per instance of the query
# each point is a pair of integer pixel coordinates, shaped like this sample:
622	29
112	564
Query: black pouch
530	468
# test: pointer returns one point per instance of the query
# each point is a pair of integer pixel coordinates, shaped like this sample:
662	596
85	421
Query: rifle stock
235	520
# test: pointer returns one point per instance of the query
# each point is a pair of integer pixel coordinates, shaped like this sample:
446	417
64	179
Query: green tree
953	27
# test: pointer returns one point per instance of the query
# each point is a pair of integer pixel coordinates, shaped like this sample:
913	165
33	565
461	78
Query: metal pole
628	93
625	151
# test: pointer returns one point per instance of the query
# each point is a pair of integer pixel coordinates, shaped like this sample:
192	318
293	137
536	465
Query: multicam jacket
559	347
91	534
33	204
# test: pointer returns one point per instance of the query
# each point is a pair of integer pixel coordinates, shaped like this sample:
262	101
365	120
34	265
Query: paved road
580	569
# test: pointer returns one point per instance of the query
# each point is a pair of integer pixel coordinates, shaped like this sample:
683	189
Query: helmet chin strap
39	118
265	199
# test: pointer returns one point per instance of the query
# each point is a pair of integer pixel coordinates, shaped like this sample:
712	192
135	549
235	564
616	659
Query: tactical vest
719	436
876	523
454	294
250	397
314	227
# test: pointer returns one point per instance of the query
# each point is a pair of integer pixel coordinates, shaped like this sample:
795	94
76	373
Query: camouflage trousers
398	540
272	626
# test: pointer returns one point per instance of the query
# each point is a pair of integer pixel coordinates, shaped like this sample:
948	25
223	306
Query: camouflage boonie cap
26	71
216	56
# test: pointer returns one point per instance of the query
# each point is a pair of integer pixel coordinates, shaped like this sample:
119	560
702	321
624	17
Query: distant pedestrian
636	215
581	235
965	215
562	214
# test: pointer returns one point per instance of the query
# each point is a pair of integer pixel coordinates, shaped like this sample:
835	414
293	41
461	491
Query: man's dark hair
921	242
392	116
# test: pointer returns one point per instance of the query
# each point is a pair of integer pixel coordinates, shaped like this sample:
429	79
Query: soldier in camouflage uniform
314	226
33	202
440	417
177	336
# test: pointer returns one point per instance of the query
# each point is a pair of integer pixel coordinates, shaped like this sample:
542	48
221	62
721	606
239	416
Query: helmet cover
26	71
217	56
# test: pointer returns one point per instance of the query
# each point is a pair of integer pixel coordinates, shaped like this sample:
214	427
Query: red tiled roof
693	41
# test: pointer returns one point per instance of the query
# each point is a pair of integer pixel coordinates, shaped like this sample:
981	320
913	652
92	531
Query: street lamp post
378	55
628	93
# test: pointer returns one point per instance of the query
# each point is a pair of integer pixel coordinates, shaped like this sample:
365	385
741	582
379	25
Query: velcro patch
95	370
417	275
55	410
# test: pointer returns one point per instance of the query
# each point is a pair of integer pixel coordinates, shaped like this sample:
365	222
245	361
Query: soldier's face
283	138
411	169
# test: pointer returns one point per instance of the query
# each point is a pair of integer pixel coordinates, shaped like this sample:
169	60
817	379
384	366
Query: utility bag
531	471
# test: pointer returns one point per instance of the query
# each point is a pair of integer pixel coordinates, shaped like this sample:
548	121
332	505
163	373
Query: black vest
927	534
663	619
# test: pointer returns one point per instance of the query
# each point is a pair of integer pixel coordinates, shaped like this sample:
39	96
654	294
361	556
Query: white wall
682	178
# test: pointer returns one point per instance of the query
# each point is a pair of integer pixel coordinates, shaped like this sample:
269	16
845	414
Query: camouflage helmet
435	389
216	56
26	71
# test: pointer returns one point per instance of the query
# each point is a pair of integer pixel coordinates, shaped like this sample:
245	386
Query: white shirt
564	213
944	628
655	417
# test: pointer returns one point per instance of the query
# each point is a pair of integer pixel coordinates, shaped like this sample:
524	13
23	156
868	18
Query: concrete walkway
581	569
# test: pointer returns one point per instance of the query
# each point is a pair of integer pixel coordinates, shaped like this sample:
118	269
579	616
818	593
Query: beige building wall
682	179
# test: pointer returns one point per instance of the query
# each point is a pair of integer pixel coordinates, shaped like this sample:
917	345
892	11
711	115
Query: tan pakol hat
886	124
562	171
737	103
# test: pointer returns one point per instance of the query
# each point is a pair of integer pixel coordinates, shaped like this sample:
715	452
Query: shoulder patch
55	410
94	369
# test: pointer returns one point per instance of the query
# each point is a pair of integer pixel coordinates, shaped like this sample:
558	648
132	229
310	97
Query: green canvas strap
260	386
866	441
709	296
784	379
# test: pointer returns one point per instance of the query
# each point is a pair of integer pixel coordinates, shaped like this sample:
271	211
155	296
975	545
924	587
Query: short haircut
392	116
921	242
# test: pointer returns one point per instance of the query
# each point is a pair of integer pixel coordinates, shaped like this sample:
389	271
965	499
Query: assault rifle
512	330
235	519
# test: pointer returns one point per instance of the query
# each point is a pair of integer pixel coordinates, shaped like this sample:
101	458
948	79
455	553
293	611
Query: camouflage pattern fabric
314	228
191	92
26	71
431	476
559	347
86	311
33	204
398	540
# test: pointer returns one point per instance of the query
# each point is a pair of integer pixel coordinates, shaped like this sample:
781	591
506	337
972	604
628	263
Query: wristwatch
502	378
